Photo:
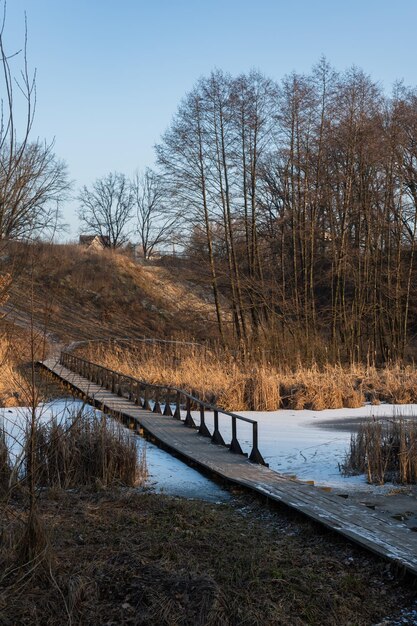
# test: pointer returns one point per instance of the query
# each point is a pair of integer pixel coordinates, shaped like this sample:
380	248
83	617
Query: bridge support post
157	406
234	444
216	436
119	386
177	414
189	418
203	430
255	456
167	409
146	404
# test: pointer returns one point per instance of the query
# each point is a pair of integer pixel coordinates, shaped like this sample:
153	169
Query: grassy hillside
78	294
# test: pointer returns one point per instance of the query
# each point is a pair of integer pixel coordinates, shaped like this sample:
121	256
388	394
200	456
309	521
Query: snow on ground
173	477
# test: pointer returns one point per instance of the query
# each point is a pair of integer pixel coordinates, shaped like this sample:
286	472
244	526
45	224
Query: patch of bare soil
137	558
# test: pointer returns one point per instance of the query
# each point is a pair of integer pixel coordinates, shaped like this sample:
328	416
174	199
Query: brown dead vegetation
5	465
218	376
81	294
87	295
15	359
87	451
384	451
82	450
135	558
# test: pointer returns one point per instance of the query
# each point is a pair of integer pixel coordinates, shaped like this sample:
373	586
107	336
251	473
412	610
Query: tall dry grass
327	387
212	375
384	451
87	451
84	451
238	385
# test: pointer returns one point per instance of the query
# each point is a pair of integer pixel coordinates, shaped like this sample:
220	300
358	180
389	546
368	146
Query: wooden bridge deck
391	540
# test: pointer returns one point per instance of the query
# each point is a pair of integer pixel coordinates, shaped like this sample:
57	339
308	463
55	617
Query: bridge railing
166	400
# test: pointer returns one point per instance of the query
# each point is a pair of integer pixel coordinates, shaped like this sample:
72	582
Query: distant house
94	242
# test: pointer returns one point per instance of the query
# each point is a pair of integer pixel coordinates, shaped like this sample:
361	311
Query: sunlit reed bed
385	451
237	385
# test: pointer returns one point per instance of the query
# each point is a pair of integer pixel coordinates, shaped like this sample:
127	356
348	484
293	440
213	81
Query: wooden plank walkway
391	540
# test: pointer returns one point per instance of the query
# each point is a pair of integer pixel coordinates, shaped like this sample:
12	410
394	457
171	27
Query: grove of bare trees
120	210
299	199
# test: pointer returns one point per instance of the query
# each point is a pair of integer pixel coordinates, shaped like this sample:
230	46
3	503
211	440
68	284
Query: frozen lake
309	445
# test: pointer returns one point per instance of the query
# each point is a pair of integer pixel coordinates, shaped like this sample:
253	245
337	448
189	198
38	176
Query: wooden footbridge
163	413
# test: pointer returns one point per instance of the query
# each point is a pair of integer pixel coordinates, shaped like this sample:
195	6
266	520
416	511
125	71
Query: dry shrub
32	545
316	389
352	399
16	345
86	451
384	451
398	384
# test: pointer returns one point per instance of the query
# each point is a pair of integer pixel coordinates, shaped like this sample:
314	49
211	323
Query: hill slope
76	294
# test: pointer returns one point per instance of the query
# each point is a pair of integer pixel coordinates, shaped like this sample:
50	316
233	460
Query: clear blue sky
111	73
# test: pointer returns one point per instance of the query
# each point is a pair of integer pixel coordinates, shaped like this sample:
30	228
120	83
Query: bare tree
31	193
107	209
187	170
33	182
155	223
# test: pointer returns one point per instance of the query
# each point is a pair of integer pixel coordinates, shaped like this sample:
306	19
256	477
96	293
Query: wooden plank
391	540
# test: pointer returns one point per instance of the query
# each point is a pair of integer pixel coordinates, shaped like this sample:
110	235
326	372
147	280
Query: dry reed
11	379
234	384
87	451
384	451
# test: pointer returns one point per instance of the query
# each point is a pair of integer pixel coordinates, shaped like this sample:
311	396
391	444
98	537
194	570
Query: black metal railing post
203	430
234	444
146	404
157	406
167	409
177	413
255	456
188	417
216	436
